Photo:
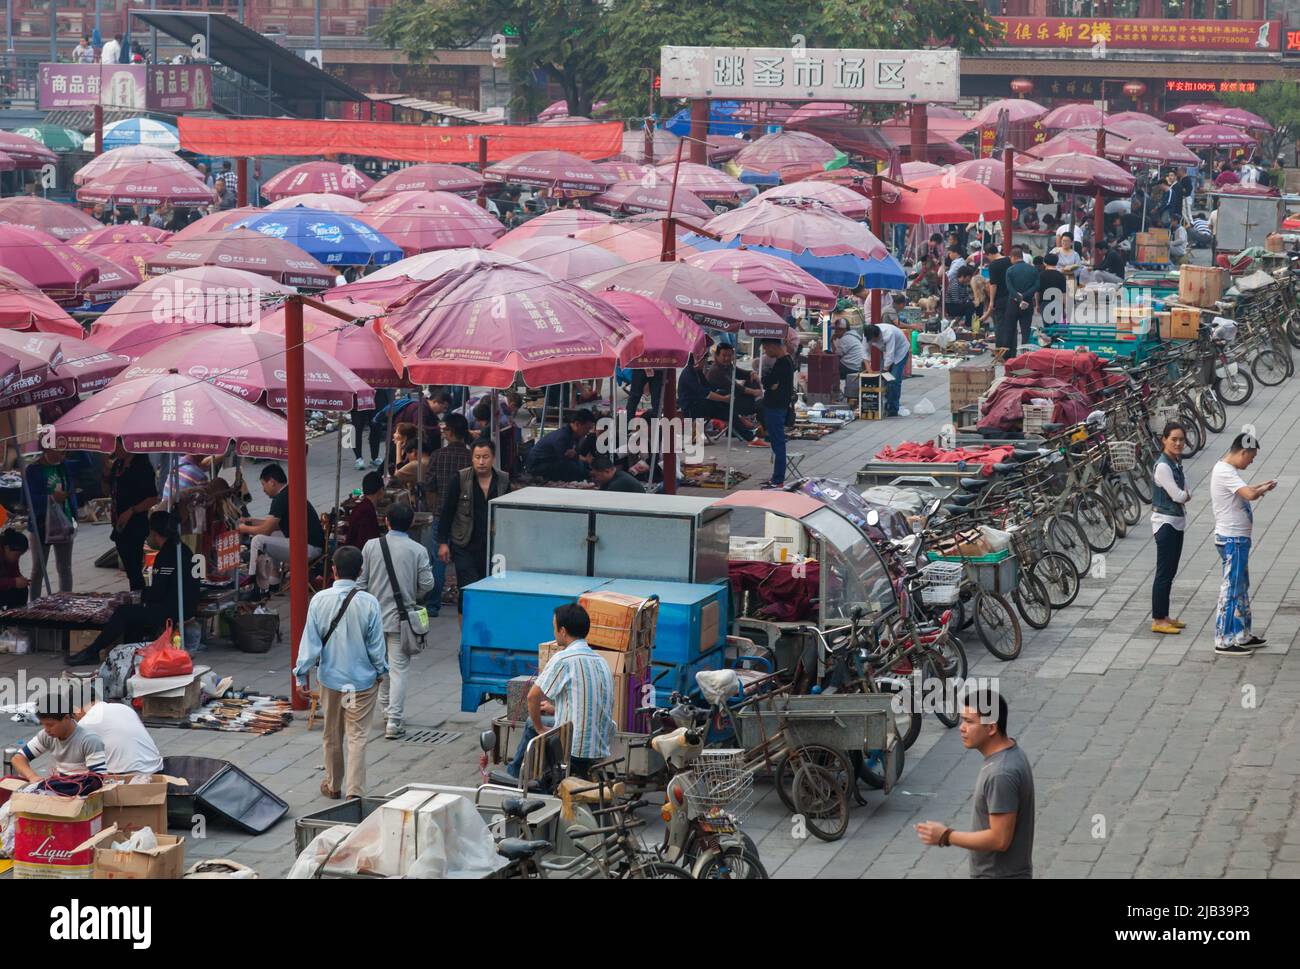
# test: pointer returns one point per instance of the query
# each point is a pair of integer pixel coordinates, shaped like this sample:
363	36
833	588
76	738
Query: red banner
1122	34
399	142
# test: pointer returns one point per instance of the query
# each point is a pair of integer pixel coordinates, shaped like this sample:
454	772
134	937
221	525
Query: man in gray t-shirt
72	748
1002	842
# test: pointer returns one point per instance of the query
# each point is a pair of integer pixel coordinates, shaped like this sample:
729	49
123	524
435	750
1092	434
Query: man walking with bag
395	568
345	633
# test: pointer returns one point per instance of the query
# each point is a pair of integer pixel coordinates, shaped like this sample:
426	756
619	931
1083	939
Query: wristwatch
945	839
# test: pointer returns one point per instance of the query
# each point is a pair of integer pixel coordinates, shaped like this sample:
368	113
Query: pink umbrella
426	177
550	169
776	281
845	201
784	149
1163	149
134	256
7	164
1215	136
250	364
57	368
164	307
913	170
557	222
1070	115
798	227
633	198
1238	117
944	198
990	173
709	299
663	144
562	122
560	109
431	265
822	109
705	182
131	155
316	177
425	221
89	367
624	169
215	222
147	185
1065	145
720	148
321	202
633	240
1086	172
384	293
114	280
566	259
1135	116
64	222
32	310
670	335
106	235
772	112
52	266
1018	109
173	414
245	249
26	152
483	326
357	347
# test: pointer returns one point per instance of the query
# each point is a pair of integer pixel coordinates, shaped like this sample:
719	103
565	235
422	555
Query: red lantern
1135	89
1022	86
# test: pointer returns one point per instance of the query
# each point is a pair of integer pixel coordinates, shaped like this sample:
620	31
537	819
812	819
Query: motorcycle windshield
853	574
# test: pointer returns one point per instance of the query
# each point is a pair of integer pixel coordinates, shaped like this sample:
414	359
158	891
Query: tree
1277	103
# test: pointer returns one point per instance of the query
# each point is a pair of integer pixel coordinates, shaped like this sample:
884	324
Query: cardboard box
619	621
967	383
620	664
165	861
174	705
709	619
544	653
1200	285
50	834
517	696
1153	237
1184	323
1275	243
871	396
129	807
1152	254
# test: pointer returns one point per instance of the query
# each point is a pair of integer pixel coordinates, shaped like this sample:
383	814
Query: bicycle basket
942	583
722	785
1123	455
1035	416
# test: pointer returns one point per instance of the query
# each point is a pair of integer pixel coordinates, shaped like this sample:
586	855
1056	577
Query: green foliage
1278	103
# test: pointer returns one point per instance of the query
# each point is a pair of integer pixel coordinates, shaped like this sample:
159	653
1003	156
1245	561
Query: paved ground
1152	758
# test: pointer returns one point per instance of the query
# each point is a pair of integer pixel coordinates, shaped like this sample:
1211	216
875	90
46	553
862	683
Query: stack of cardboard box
968	382
1153	246
1200	285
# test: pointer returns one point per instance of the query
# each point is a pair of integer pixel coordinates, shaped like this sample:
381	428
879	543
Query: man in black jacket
159	602
555	457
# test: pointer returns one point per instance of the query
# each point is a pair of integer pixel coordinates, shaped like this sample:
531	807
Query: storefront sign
808	74
1292	45
1098	33
127	87
1211	87
179	87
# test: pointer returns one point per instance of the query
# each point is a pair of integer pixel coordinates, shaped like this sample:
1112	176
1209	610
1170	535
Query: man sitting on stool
138	624
271	534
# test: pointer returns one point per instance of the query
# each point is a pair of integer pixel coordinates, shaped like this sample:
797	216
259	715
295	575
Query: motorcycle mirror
856	612
873	518
487	740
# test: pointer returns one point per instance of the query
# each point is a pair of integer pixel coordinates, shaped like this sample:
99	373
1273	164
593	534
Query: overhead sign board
127	87
810	74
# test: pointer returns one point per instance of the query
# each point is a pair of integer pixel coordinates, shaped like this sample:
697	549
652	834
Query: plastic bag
59	528
923	406
998	540
161	658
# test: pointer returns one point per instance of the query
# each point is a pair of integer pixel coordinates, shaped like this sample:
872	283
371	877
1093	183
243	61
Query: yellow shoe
1177	622
1166	627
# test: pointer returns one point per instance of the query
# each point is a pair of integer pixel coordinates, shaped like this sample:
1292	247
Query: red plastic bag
161	658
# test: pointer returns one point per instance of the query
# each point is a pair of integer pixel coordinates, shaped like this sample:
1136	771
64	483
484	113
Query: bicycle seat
520	849
1023	456
521	807
503	778
963	500
974	484
1112	390
1006	467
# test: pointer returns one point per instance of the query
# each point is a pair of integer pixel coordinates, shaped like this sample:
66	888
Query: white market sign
808	74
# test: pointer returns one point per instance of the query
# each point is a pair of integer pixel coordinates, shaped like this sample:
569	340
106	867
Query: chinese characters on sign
180	87
172	88
1211	87
1171	34
808	74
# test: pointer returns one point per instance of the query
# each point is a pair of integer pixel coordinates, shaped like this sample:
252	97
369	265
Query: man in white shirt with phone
1233	524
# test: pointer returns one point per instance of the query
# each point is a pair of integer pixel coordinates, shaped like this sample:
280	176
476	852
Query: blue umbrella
720	122
845	270
332	238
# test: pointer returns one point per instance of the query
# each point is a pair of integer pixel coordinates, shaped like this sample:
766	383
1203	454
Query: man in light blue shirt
345	634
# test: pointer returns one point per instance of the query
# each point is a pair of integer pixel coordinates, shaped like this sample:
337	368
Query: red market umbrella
64	222
633	198
164	307
7	164
1135	116
134	256
854	178
549	169
1018	109
670	336
914	170
426	177
663	145
384	293
315	177
320	202
705	182
425	221
54	267
115	280
1080	172
250	364
147	185
1070	115
215	222
1215	136
1156	148
560	109
785	149
633	240
822	109
558	222
1238	117
571	119
431	265
797	227
107	235
483	326
245	249
990	173
34	311
26	152
944	198
355	345
56	368
175	414
566	259
1065	144
845	201
623	168
720	148
706	297
131	155
776	281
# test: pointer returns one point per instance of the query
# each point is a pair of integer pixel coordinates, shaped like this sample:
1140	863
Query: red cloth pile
785	596
927	453
1003	409
1081	370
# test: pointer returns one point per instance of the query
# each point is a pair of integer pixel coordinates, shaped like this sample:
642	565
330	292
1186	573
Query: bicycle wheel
1193	438
1293	328
997	626
1128	503
1212	411
1235	389
1269	368
908	722
1063	535
822	802
732	863
1107	494
869	766
1032	601
947	663
834	761
1095	518
1141	484
656	869
1059	577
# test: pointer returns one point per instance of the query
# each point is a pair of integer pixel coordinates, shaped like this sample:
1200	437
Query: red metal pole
241	189
699	132
99	129
1008	177
648	153
300	577
1098	207
482	165
877	227
668	253
920	136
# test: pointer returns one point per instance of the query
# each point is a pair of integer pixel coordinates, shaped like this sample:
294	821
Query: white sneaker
904	412
361	464
394	730
377	462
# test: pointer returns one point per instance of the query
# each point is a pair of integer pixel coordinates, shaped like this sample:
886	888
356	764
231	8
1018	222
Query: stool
792	462
314	696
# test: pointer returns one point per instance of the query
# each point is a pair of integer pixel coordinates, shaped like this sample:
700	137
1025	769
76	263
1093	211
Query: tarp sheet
399	142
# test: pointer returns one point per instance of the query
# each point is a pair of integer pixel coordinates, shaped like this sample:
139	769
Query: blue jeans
774	422
433	602
529	733
894	389
1232	619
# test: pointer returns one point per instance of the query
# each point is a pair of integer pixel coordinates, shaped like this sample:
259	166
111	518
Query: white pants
392	691
276	548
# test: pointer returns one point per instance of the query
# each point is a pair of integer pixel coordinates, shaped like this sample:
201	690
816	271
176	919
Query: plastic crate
1035	416
1105	341
995	572
1123	455
942	583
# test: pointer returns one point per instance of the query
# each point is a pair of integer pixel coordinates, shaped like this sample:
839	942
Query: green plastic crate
995	572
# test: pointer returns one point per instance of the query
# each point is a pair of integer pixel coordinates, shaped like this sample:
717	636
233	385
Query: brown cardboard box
544	653
1275	243
1162	322
165	861
50	834
171	707
1153	237
709	626
618	621
1147	254
620	665
130	807
1200	285
1184	322
517	688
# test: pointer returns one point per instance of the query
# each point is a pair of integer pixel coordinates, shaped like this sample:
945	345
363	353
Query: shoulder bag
413	624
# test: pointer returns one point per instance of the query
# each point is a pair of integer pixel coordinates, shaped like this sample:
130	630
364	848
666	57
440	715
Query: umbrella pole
388	441
731	417
239	497
180	577
38	547
419	448
496	429
338	487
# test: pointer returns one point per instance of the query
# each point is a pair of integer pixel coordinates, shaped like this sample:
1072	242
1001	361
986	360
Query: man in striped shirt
580	685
